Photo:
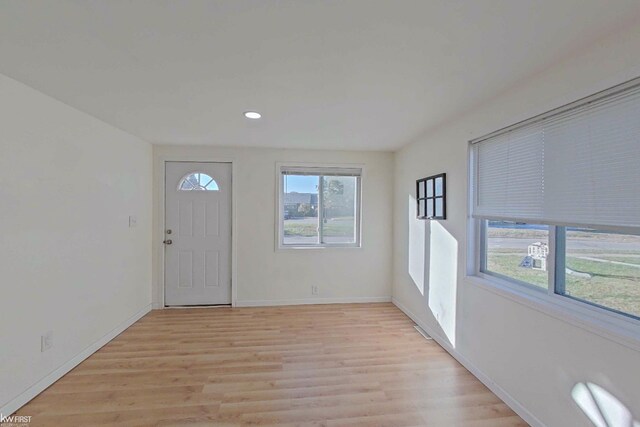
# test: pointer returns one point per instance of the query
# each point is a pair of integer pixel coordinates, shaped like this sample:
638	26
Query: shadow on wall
601	407
433	268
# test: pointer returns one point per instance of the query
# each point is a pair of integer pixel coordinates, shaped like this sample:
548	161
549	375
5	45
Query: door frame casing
159	228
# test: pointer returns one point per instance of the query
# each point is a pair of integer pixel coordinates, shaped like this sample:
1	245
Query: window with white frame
319	207
556	203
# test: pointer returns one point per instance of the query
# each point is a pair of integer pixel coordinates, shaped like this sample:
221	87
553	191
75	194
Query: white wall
266	276
533	358
69	261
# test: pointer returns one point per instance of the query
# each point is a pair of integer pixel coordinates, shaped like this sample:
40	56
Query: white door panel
198	259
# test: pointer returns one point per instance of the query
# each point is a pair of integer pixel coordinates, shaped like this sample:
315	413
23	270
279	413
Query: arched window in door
198	181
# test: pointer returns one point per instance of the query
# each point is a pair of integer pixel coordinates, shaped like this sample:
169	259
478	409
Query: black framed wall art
431	197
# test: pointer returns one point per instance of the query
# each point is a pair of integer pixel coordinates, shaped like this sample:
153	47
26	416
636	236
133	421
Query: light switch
133	221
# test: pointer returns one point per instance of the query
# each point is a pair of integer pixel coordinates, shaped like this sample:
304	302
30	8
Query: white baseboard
54	376
347	300
514	404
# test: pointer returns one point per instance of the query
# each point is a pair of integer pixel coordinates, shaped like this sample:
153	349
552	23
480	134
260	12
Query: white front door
197	236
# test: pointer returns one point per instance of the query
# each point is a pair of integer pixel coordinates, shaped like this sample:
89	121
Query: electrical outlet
46	341
315	290
133	221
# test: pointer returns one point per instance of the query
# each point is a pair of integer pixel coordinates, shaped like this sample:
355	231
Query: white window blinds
331	171
576	166
511	174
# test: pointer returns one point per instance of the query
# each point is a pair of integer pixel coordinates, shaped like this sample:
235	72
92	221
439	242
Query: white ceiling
349	74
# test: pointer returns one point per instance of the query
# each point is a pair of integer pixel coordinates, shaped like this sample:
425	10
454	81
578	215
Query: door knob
167	242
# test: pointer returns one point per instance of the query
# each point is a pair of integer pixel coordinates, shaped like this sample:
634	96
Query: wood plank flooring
323	365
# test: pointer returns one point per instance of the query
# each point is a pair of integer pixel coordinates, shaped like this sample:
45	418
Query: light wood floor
324	365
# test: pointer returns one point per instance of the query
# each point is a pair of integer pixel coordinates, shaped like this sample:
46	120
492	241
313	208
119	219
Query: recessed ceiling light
252	115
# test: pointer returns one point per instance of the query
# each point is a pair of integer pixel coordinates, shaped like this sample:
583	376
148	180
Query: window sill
614	327
310	247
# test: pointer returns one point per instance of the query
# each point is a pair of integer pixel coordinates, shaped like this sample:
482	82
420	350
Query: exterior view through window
320	207
517	251
601	268
598	267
